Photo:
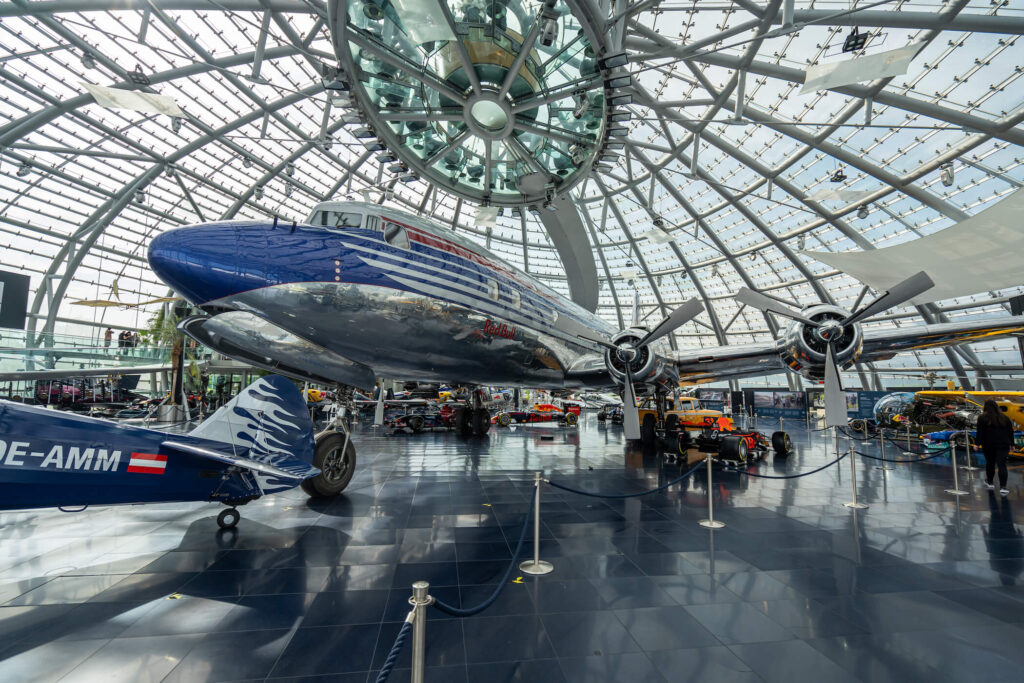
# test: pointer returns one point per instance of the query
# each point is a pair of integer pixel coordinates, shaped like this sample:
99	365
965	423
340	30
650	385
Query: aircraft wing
298	475
712	364
884	344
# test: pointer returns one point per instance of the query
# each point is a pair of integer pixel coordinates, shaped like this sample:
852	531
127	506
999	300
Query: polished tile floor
919	587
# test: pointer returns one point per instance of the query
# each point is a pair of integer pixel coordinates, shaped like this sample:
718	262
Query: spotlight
946	174
618	98
287	189
582	104
577	153
837	177
613	61
246	162
618	82
169	171
24	169
549	24
88	61
176	124
289	170
140	197
862	212
386	158
258	192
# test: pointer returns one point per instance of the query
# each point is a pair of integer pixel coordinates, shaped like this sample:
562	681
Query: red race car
540	412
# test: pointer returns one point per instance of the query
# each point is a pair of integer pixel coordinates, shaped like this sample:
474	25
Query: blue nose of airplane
202	262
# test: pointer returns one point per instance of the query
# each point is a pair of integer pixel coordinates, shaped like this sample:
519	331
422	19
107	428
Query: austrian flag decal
147	463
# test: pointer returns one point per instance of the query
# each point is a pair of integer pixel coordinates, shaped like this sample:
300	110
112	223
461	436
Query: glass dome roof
702	195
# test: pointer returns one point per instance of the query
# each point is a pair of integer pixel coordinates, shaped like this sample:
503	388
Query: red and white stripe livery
147	463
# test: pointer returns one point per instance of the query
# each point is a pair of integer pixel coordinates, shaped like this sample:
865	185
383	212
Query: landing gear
336	457
474	419
228	519
649	429
481	421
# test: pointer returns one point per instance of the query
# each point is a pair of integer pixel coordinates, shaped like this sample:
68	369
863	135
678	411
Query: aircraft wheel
463	421
572	419
481	421
336	467
671	425
504	420
648	429
415	423
734	448
781	443
228	519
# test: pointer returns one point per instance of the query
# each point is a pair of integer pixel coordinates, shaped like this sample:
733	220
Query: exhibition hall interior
547	341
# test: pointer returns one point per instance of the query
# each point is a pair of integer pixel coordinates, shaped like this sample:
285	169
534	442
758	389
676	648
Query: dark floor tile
716	664
328	650
629	593
134	660
508	638
210	659
619	668
791	660
535	671
587	634
738	622
695	589
665	628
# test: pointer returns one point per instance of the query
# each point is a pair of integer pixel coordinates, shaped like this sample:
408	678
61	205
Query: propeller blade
378	414
630	414
835	397
767	304
676	319
897	294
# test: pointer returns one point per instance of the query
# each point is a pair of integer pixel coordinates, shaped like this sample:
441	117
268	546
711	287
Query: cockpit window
396	235
341	219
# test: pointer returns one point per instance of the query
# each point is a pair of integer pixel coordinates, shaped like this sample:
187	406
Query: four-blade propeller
831	331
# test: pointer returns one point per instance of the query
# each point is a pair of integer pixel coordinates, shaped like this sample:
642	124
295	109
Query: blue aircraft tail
269	419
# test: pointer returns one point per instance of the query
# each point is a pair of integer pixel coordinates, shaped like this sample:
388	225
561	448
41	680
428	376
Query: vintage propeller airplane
361	291
260	442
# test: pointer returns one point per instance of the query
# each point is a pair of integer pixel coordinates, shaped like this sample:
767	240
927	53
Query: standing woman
995	435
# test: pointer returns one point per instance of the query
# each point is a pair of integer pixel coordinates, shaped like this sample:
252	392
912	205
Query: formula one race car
423	418
541	412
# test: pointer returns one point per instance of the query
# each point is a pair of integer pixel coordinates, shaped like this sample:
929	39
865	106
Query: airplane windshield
340	219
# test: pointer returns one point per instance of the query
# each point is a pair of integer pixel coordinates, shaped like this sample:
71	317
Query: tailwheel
228	519
337	463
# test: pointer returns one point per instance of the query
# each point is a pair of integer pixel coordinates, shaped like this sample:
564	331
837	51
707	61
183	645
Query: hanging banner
13	300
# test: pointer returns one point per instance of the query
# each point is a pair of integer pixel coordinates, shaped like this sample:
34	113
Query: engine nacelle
803	347
645	365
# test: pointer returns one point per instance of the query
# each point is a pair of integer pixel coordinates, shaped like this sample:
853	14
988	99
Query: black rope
791	476
396	649
921	459
904	444
627	495
468	612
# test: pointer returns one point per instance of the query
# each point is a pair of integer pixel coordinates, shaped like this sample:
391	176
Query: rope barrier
396	649
944	451
627	495
468	612
789	476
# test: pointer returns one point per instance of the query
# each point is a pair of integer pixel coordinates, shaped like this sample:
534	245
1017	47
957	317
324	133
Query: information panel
13	300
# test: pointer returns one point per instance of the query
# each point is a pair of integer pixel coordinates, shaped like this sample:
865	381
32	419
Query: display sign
714	399
787	404
13	300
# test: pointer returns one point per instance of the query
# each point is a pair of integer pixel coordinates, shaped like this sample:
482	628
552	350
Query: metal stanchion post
420	600
710	522
853	481
881	446
908	451
780	423
967	449
536	566
956	490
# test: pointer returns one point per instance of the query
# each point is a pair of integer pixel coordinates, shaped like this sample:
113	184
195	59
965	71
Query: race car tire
683	442
958	440
336	467
572	419
671	425
481	421
857	425
464	421
733	448
415	423
648	429
782	444
504	420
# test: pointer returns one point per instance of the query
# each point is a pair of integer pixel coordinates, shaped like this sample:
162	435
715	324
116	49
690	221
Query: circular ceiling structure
712	172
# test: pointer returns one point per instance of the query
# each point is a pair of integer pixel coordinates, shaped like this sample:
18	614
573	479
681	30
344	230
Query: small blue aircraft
260	442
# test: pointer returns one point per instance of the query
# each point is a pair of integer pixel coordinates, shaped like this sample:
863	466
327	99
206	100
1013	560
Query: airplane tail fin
269	417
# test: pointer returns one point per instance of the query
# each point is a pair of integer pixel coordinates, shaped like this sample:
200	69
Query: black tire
415	423
733	448
228	519
504	420
336	467
781	443
859	426
602	416
683	442
481	421
572	419
649	429
958	440
463	421
671	425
